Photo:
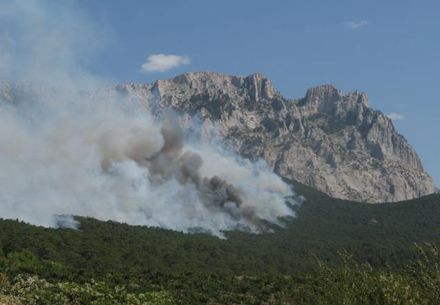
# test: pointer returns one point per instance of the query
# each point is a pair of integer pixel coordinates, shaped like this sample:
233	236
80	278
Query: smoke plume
68	147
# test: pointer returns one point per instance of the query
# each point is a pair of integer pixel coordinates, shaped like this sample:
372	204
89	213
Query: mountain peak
327	96
323	92
213	84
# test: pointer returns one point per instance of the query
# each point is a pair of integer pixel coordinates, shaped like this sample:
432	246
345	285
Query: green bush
32	290
23	261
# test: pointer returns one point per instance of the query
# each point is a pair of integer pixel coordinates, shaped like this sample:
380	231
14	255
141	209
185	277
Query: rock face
331	141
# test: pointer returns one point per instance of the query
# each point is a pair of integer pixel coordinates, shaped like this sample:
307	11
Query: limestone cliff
328	140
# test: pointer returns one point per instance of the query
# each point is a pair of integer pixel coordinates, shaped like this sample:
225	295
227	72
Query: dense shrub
32	290
350	283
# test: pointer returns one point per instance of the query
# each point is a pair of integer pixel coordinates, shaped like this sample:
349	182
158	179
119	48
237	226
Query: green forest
332	252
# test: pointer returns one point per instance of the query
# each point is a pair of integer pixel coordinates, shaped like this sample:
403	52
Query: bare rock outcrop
328	140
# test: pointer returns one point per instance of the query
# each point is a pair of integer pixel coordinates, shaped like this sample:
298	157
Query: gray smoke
172	161
68	146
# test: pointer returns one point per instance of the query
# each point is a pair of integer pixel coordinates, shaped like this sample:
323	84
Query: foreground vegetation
350	283
32	290
112	263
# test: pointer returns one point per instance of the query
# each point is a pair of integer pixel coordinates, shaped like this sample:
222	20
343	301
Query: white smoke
67	147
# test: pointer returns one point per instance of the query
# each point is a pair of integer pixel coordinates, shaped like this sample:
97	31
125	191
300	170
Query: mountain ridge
329	140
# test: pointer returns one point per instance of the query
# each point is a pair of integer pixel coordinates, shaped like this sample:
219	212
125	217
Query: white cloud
163	62
354	25
395	116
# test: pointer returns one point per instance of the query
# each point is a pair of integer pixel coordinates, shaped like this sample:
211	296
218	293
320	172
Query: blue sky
389	49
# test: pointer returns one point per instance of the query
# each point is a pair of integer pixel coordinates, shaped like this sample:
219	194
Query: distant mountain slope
328	140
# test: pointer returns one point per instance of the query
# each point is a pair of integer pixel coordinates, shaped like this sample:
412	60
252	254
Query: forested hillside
194	268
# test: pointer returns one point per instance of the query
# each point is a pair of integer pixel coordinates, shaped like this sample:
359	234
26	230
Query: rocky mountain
328	140
331	141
